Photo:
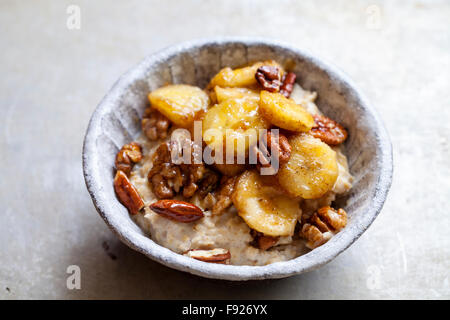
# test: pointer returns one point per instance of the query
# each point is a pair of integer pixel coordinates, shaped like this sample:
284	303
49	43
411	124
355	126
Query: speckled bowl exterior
116	121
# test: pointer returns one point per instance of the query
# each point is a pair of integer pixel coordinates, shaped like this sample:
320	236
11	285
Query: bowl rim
304	263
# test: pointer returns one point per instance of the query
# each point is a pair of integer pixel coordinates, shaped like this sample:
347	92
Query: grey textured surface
116	121
398	52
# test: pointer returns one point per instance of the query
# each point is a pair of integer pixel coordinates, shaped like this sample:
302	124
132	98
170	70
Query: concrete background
52	78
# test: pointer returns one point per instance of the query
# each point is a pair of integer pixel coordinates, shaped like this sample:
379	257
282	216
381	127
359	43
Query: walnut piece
269	77
209	201
127	156
209	183
223	196
336	219
314	236
154	124
322	225
169	179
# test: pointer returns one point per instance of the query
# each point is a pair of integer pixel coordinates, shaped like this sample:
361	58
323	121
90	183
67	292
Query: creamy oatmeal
236	213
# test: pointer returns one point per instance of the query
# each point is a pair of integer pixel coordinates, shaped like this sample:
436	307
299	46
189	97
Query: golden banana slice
241	77
311	170
233	124
284	112
223	94
230	170
179	103
263	207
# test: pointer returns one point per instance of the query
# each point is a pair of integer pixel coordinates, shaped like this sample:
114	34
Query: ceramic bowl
116	121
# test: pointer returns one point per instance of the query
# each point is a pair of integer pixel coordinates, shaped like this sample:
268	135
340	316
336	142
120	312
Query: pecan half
322	225
154	124
127	156
262	241
176	210
271	143
269	77
328	130
127	193
217	255
281	146
288	84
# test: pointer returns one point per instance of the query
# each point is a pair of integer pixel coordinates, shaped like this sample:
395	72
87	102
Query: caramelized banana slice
311	170
263	207
284	112
179	103
233	124
223	94
241	77
230	170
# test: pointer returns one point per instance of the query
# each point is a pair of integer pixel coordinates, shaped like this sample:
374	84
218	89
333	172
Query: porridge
259	185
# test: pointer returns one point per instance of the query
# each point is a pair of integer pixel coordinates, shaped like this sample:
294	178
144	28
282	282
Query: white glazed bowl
116	121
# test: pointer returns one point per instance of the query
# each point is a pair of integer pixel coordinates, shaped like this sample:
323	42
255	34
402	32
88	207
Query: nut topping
270	143
269	77
328	130
267	242
282	146
127	193
127	156
154	124
169	179
314	236
209	183
335	219
223	196
322	225
217	255
176	210
262	241
288	84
